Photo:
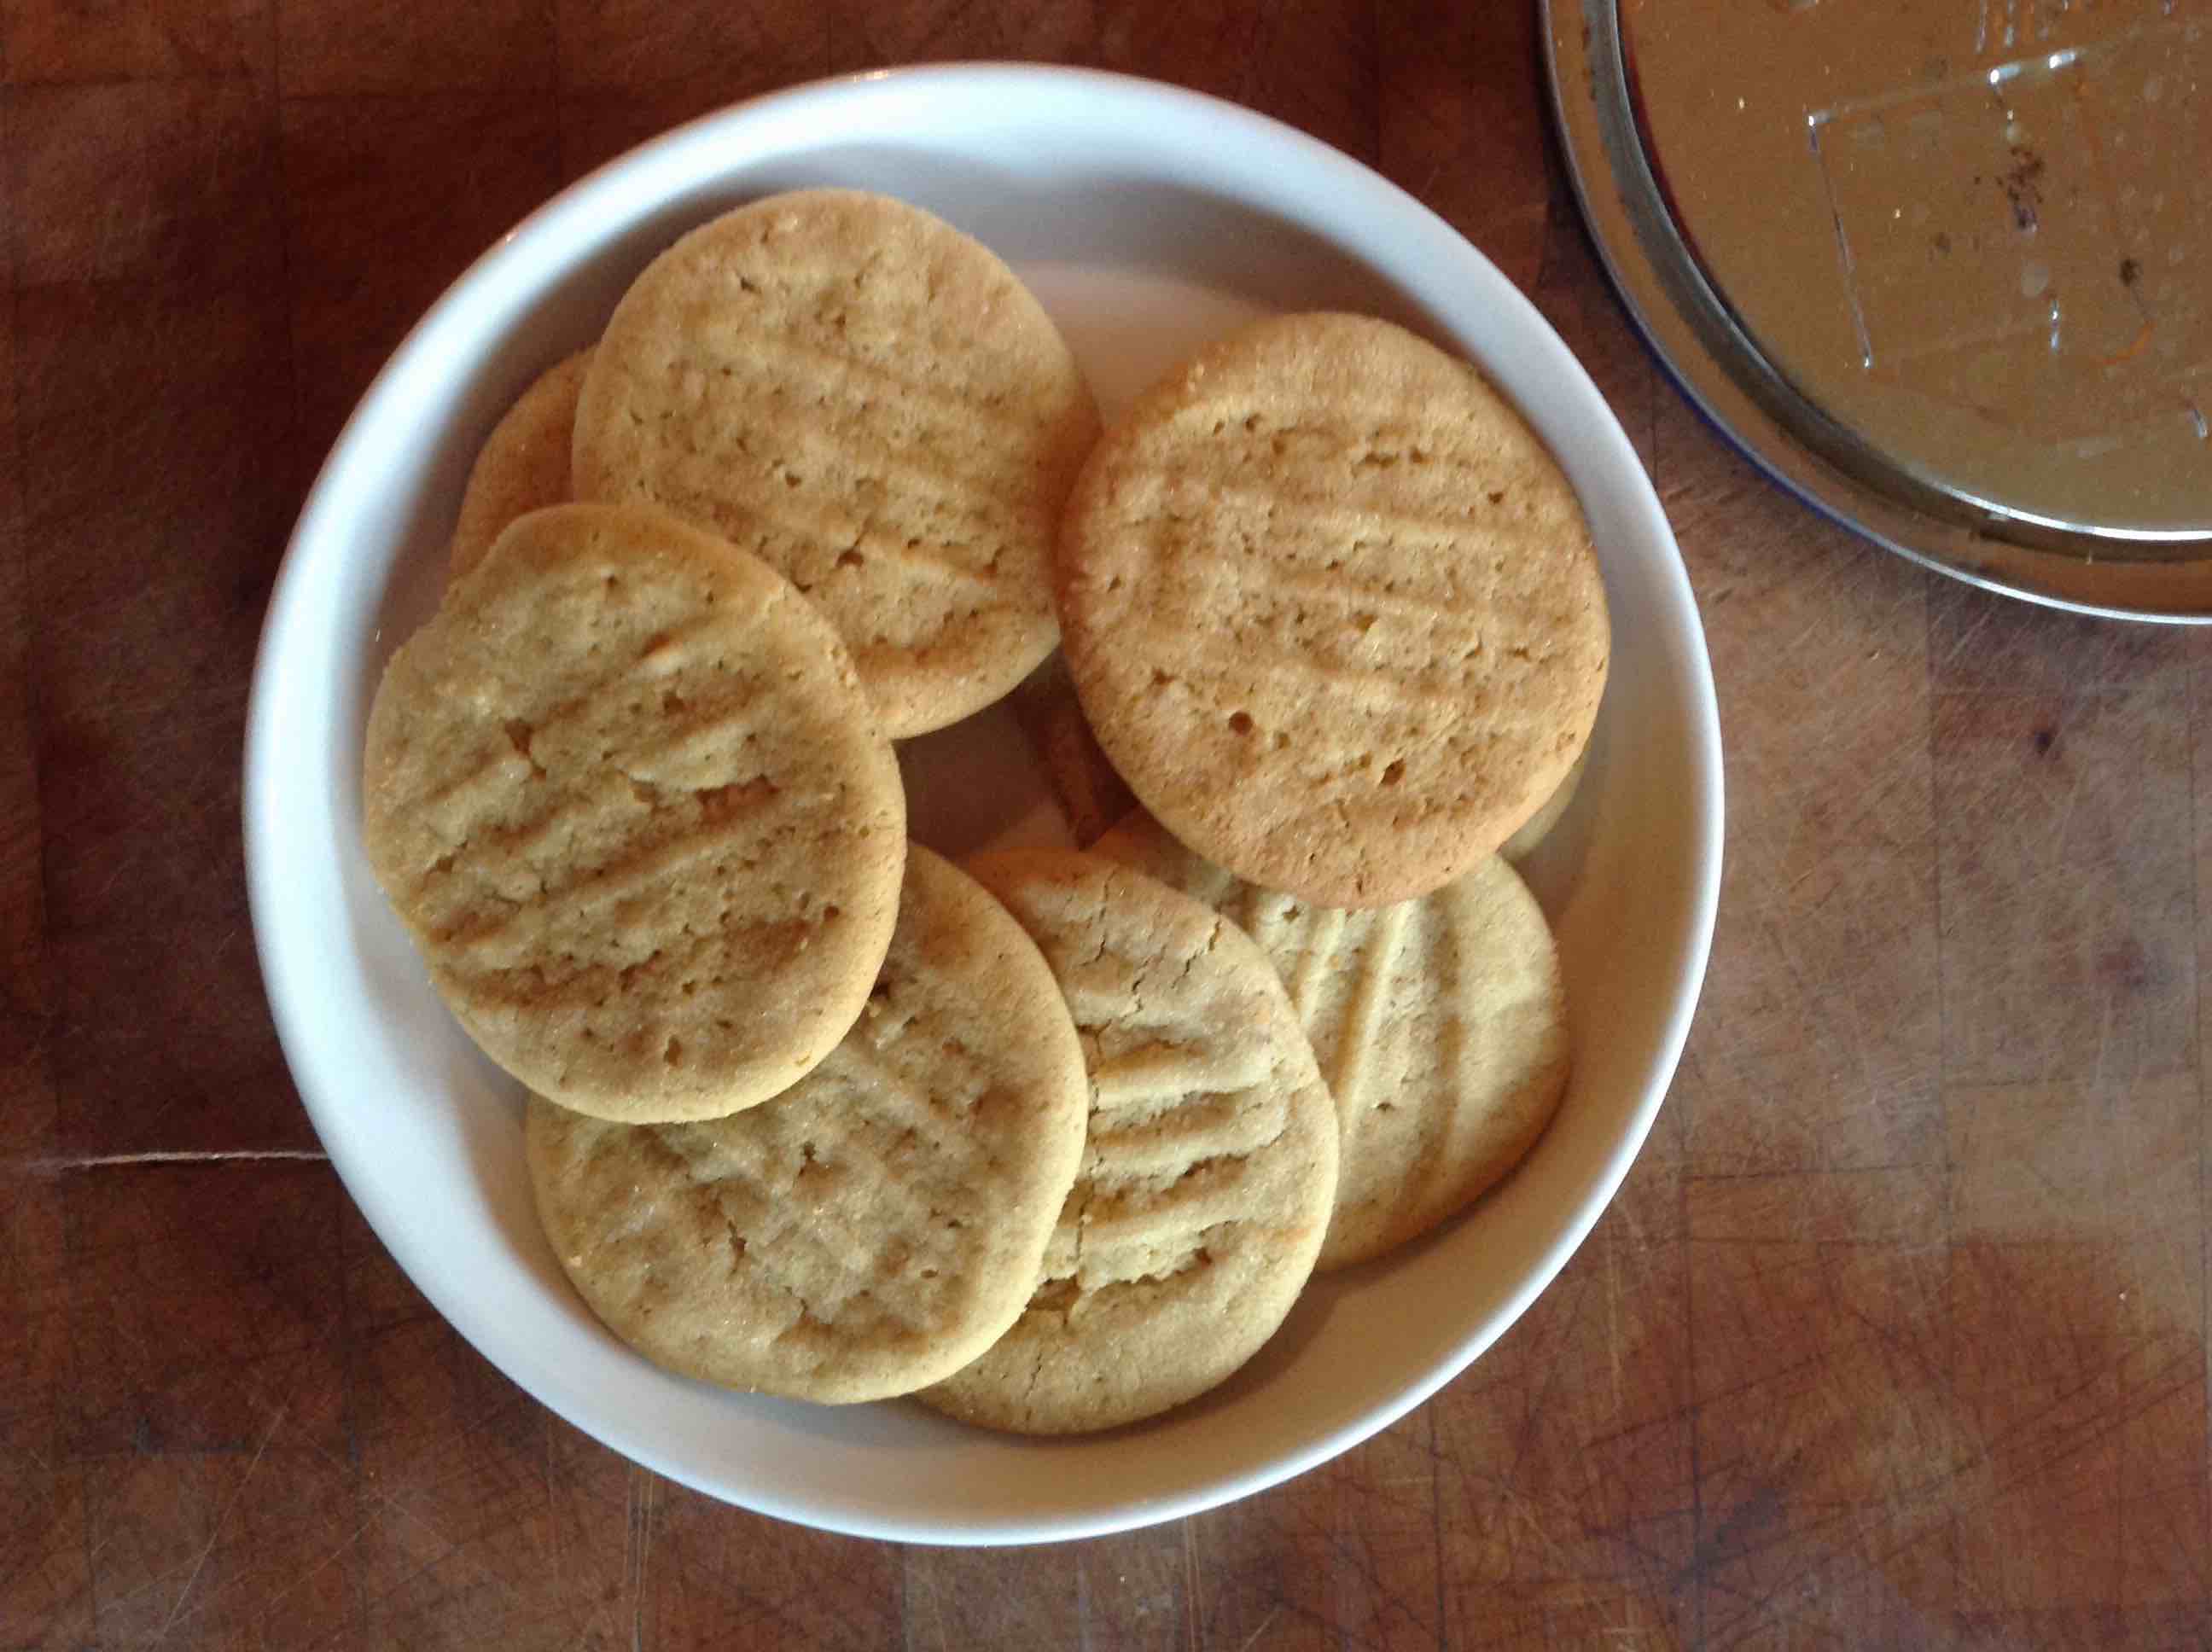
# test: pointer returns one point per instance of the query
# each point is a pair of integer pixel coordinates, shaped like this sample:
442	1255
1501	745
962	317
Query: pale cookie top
1333	609
1440	1024
1210	1163
626	792
878	1225
871	401
523	465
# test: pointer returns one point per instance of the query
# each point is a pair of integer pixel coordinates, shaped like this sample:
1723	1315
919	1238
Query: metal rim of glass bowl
1723	372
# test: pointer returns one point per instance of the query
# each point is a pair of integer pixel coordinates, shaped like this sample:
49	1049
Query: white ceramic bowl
1148	219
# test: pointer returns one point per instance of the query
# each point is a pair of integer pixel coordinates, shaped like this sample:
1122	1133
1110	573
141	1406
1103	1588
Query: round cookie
1440	1024
523	465
627	794
873	403
881	1223
1332	610
1207	1174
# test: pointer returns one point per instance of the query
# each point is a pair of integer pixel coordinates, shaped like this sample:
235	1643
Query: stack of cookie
1056	1140
1332	612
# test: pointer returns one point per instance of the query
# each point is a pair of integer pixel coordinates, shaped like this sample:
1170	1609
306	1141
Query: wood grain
183	173
1818	644
150	408
1895	1337
334	47
43	40
716	1576
1137	1590
46	1582
1347	1553
2068	877
1463	117
1825	1442
2062	1225
1566	1497
353	170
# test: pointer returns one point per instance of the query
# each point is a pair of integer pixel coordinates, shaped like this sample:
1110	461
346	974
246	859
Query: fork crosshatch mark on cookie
627	795
1333	609
1207	1176
878	1225
1440	1025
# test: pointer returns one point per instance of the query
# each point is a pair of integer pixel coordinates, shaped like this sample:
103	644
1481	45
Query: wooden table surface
1895	1337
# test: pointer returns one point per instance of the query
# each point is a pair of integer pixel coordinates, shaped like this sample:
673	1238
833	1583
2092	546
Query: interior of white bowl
1148	219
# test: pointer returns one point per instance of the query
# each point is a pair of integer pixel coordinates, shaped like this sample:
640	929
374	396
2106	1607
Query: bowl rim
482	284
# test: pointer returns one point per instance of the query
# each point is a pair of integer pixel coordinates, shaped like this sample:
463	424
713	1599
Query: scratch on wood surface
943	1638
215	1533
108	1160
1252	1640
1190	1581
1554	1370
640	1489
1613	1338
